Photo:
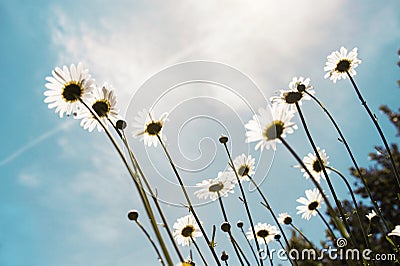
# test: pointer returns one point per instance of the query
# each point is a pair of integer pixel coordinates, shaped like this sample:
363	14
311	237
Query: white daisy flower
244	166
395	231
186	228
103	102
265	233
373	217
339	63
148	128
296	92
213	188
313	165
266	130
284	218
65	88
310	204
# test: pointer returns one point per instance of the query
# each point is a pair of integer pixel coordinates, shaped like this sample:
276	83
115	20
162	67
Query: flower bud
224	256
121	124
226	227
239	224
133	215
223	139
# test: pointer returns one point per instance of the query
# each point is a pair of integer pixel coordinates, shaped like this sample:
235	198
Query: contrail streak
34	142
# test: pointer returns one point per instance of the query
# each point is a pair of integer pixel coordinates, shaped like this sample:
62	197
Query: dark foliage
383	186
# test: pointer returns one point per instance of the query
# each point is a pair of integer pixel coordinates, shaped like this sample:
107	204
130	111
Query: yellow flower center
153	128
317	167
187	231
262	233
292	97
287	220
72	91
101	107
343	65
274	130
243	170
313	205
216	187
301	87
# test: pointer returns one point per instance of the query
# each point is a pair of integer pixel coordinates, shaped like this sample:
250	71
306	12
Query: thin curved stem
248	242
327	225
244	200
354	202
191	209
268	253
239	248
199	251
152	194
268	207
318	186
322	165
135	180
283	247
221	204
302	234
375	121
151	241
359	172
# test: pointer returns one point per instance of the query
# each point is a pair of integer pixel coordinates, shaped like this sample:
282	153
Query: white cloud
28	180
262	39
63	127
271	41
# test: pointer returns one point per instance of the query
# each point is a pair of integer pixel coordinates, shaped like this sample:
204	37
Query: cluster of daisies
72	91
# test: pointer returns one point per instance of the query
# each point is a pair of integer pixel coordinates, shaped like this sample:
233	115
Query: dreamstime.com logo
327	254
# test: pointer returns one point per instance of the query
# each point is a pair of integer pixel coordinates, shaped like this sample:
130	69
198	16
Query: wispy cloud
271	41
28	180
261	39
35	142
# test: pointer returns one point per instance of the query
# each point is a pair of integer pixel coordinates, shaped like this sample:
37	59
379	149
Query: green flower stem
151	241
283	247
135	179
281	244
199	251
234	244
213	243
251	247
343	140
152	194
375	121
302	234
115	128
268	253
321	163
395	248
191	209
222	208
331	211
244	200
355	204
268	207
327	225
239	248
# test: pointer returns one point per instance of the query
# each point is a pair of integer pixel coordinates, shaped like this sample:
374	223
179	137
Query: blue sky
64	193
